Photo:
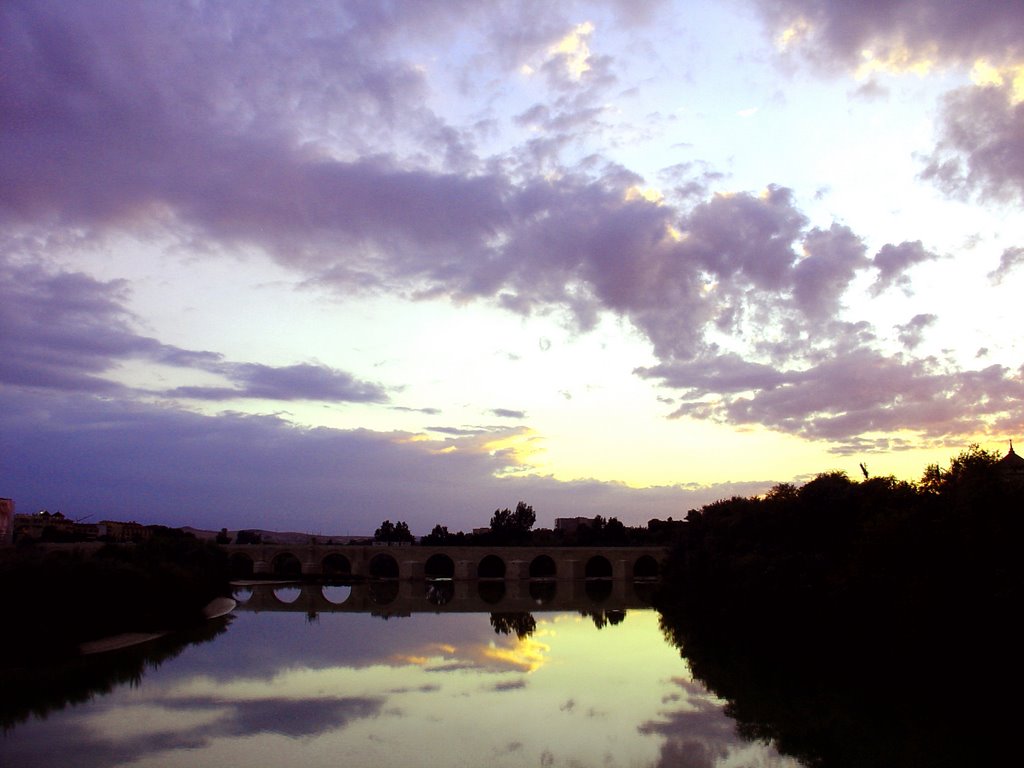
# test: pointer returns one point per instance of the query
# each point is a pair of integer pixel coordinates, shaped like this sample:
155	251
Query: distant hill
275	537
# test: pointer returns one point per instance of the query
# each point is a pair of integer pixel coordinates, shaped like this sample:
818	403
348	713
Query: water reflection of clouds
125	732
698	734
495	653
565	695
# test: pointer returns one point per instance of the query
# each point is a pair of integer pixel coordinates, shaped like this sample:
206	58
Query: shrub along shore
859	623
56	601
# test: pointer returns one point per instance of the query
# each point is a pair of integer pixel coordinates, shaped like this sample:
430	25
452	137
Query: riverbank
859	623
57	601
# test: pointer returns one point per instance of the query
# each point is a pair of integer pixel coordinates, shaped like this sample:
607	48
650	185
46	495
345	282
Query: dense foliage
857	623
59	599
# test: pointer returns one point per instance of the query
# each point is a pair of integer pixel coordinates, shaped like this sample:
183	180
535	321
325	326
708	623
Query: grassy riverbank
56	600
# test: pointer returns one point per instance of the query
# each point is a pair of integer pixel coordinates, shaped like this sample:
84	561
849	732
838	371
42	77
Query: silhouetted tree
402	532
248	537
386	531
508	527
389	532
439	535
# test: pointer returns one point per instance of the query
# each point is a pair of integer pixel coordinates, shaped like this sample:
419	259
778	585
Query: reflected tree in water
37	689
520	623
603	618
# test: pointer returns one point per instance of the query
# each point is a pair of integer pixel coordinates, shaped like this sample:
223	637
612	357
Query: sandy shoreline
117	642
219	606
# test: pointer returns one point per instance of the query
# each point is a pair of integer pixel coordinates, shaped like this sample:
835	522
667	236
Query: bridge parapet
459	563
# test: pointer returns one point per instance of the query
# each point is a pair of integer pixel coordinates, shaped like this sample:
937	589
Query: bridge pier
570	569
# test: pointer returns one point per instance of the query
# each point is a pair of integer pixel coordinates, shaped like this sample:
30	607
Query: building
6	521
1011	466
120	532
570	525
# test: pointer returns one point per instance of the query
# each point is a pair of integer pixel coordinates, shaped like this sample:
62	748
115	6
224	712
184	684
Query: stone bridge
410	562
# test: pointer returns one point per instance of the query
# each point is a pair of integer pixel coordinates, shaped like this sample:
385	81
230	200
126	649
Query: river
361	680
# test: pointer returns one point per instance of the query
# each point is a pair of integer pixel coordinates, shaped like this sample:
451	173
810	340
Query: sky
310	266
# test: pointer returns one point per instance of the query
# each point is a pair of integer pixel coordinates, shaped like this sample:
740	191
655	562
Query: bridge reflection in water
398	598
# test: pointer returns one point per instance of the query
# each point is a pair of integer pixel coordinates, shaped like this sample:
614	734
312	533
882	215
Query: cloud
912	333
310	135
897	33
120	459
981	145
506	413
1010	260
294	382
838	398
892	263
982	128
66	331
698	734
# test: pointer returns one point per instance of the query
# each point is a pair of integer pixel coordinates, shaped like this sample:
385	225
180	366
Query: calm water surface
284	684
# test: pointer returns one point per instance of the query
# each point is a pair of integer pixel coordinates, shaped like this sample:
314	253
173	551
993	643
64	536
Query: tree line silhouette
859	623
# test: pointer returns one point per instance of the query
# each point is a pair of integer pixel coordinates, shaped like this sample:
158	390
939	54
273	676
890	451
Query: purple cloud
837	33
982	129
508	413
840	398
893	261
981	146
119	459
308	134
1010	260
64	330
911	334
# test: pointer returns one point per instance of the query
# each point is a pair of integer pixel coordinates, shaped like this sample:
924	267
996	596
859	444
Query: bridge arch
543	592
439	566
491	592
491	567
383	592
383	566
335	565
336	594
287	595
543	567
286	565
645	567
598	567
